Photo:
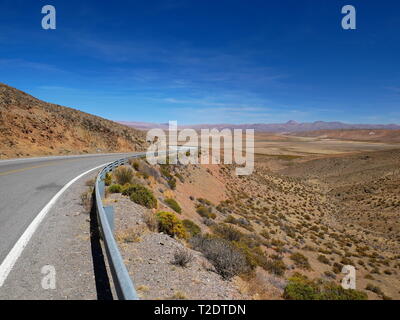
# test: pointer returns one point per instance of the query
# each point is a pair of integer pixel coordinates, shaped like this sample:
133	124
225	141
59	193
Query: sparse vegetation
140	195
134	163
115	188
173	204
108	179
268	219
182	257
86	199
151	221
205	212
323	259
123	175
300	261
129	235
165	171
192	228
300	287
228	260
227	232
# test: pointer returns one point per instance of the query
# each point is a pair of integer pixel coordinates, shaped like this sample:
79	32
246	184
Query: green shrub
300	261
123	175
192	228
127	189
171	225
140	195
276	267
173	205
172	183
205	212
227	232
204	201
165	171
115	188
332	291
300	287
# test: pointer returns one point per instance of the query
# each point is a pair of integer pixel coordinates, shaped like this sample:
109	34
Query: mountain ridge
291	126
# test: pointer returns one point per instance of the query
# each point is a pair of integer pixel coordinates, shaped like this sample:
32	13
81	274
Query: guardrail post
110	216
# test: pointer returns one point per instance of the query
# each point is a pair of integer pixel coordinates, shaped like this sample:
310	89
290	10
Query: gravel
149	259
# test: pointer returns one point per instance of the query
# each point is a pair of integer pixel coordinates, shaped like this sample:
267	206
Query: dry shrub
227	260
266	287
134	163
123	175
300	261
182	257
129	235
151	221
87	199
90	182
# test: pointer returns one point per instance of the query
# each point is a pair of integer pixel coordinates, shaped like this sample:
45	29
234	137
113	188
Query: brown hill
388	136
31	127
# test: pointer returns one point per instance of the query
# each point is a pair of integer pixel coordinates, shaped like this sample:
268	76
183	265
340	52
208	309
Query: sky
201	61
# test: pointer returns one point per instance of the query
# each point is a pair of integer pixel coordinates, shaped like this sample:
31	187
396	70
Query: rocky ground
149	258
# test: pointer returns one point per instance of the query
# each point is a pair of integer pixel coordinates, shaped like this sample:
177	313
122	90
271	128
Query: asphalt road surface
27	185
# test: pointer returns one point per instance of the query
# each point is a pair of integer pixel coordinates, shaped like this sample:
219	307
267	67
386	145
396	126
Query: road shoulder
62	241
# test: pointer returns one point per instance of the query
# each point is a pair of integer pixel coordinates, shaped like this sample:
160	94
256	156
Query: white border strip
12	257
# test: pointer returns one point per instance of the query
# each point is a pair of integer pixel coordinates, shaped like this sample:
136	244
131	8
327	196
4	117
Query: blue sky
208	61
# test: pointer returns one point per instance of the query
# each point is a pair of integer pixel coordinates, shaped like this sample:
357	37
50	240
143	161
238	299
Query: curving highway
27	186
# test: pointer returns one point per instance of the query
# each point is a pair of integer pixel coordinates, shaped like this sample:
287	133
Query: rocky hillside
31	127
271	235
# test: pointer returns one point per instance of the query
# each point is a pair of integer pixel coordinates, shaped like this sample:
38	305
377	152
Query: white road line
16	251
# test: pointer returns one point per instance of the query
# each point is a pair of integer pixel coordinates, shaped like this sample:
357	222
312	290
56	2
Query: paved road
27	185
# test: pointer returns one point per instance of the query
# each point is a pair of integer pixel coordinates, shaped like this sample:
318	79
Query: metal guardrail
122	281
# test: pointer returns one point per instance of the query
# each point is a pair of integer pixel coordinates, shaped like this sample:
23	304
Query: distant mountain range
288	127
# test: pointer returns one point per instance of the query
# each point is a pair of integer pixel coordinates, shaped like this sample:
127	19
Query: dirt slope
31	127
